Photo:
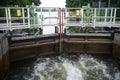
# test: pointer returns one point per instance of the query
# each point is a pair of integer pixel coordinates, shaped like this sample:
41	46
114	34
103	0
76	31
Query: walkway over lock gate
37	17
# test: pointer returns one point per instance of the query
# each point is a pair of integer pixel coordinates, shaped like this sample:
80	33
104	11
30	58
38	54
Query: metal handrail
27	20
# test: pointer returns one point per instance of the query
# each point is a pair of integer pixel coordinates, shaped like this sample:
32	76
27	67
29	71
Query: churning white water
85	67
69	67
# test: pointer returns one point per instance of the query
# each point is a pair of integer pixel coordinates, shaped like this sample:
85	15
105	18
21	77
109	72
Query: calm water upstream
66	67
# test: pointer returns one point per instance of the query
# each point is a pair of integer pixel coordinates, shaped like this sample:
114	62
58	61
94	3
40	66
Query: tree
114	3
21	3
77	3
80	3
73	3
36	2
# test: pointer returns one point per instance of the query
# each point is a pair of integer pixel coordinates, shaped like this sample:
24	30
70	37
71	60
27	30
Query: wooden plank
91	52
99	52
47	53
89	42
24	57
75	51
34	55
33	45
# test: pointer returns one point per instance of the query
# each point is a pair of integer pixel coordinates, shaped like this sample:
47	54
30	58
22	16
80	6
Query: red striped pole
62	23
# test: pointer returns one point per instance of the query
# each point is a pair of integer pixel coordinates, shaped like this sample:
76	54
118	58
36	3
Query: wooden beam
47	53
91	52
89	42
33	45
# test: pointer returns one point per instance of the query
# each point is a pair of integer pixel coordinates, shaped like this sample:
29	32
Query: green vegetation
77	3
114	3
22	3
10	3
80	3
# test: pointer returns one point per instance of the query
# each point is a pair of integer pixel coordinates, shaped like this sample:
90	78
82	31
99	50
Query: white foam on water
117	76
73	73
88	63
85	68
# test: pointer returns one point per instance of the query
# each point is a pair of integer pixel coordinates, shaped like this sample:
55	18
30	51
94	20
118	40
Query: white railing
27	17
37	17
92	17
11	20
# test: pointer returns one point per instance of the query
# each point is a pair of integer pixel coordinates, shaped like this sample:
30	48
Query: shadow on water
66	67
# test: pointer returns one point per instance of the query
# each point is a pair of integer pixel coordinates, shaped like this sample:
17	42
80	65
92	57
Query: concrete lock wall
1	63
116	45
4	56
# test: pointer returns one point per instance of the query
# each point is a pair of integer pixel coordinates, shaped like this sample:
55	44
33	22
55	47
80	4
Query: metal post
28	15
9	17
61	30
114	19
23	16
106	11
41	16
82	18
99	9
60	44
62	23
111	16
94	17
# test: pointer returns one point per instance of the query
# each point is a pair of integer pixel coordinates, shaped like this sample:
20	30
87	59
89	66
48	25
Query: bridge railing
39	17
14	18
106	17
28	17
92	17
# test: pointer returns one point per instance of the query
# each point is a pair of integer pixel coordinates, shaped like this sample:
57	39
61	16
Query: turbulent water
72	67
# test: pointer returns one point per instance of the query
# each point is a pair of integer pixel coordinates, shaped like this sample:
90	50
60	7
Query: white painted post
28	16
94	18
6	13
106	11
23	16
41	18
111	17
82	16
114	19
9	17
